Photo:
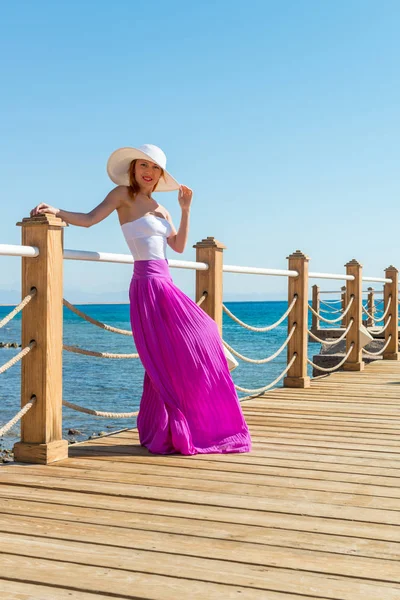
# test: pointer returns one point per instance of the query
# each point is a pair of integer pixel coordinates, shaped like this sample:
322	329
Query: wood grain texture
41	371
311	512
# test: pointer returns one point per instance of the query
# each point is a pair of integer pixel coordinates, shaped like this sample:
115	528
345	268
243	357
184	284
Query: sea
115	385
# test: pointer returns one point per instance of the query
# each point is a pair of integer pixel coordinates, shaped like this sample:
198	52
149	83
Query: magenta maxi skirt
189	403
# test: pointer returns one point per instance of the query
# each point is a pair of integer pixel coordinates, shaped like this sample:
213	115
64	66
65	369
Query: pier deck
312	512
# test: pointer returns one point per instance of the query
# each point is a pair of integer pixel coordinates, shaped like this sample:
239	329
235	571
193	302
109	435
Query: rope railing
17	357
384	314
336	367
331	307
77	350
263	360
333	342
330	312
382	329
89	319
381	351
344	313
261	329
18	416
201	300
263	389
99	413
18	308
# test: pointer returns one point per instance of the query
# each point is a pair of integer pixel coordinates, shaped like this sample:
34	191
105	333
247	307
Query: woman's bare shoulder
120	192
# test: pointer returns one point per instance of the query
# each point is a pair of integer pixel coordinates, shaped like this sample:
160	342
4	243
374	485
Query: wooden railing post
371	306
316	307
354	288
297	375
343	298
41	372
392	289
210	251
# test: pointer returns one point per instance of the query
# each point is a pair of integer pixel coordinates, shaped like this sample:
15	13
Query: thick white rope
270	385
201	300
263	360
18	416
98	354
331	369
17	357
99	413
330	312
381	351
333	320
329	302
336	341
382	329
384	314
90	319
94	321
18	308
269	327
333	310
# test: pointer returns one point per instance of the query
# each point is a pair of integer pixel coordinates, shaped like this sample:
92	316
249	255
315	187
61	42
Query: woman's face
147	174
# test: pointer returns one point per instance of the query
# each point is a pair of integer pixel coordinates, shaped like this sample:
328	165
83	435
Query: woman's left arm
178	241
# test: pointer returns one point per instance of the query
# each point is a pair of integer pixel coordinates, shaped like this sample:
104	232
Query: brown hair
134	187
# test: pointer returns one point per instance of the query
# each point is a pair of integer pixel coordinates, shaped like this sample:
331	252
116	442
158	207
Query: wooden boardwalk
312	512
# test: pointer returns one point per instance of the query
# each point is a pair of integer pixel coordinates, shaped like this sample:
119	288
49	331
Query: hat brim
118	166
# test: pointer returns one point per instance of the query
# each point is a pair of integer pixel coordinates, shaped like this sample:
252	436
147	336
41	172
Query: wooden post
210	251
371	306
354	288
41	372
343	298
392	289
316	307
297	375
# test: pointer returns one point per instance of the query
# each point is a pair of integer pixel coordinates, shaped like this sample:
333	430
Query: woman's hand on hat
185	197
44	208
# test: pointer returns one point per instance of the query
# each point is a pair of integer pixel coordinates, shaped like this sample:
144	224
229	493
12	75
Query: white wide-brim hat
119	162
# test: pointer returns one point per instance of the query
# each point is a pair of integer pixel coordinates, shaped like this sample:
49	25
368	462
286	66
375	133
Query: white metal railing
259	271
340	276
126	259
12	250
32	251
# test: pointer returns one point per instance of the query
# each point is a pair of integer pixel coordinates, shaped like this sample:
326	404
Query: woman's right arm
111	202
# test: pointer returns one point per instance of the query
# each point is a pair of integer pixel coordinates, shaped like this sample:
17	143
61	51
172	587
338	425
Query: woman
189	403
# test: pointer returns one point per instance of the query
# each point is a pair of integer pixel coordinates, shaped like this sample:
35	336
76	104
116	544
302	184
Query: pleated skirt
189	403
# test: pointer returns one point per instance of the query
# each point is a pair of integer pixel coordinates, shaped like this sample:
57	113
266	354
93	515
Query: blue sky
282	116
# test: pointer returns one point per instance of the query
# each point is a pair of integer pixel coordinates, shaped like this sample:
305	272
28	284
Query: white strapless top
147	237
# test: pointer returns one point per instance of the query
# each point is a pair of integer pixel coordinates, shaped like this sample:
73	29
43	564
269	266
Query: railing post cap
210	242
44	219
298	254
353	263
392	268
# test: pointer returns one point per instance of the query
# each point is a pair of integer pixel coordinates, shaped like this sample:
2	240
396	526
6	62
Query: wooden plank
245	473
105	508
387	450
100	567
175	478
176	487
176	535
128	584
19	590
254	458
359	508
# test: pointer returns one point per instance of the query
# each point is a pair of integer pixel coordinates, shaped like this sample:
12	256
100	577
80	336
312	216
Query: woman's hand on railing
44	208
